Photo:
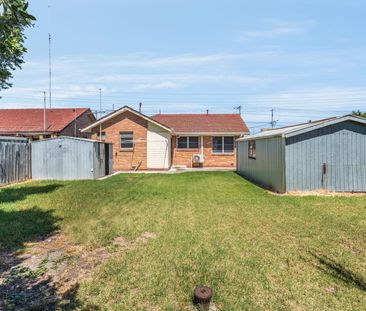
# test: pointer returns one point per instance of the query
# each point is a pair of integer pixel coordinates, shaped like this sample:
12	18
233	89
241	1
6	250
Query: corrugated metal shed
67	158
266	169
324	155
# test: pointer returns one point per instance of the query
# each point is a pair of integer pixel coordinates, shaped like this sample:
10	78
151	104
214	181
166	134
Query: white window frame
188	136
223	145
252	152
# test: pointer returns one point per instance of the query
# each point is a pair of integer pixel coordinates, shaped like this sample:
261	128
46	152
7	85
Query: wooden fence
15	160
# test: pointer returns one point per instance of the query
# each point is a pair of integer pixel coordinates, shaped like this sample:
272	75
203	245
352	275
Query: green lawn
257	251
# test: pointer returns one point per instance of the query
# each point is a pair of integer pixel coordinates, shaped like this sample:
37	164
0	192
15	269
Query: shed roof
203	123
13	138
69	138
13	121
302	128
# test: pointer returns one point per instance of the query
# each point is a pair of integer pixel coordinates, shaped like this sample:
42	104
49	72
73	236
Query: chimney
207	112
140	105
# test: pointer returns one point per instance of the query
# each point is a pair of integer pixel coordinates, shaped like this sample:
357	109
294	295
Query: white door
158	147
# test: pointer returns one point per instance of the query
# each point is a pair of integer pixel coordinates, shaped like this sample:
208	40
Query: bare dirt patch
48	272
321	193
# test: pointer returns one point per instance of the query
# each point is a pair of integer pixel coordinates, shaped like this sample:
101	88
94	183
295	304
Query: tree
359	113
14	19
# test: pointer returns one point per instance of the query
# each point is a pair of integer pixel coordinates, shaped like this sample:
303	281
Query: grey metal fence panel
15	160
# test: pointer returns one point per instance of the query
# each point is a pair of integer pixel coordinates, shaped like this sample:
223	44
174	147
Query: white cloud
157	86
195	82
274	28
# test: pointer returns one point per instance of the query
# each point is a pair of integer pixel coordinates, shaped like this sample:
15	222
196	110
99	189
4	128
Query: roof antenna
49	62
238	108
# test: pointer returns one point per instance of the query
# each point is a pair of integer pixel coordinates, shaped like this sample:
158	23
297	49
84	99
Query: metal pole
74	122
100	100
100	110
44	112
49	70
272	121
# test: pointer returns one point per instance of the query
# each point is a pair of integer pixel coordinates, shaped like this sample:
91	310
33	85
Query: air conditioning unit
198	158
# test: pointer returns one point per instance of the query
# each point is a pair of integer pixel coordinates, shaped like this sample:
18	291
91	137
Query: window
126	140
228	144
222	144
217	144
193	142
252	152
188	142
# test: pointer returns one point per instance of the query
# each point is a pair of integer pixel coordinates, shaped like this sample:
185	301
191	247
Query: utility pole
273	121
44	112
100	100
49	70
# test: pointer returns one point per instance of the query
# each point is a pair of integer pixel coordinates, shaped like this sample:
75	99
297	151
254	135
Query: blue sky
305	59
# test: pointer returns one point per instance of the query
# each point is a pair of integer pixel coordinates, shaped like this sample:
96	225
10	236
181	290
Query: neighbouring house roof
203	123
297	129
120	111
18	121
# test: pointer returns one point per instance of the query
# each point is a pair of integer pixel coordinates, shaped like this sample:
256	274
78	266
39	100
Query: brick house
163	141
36	124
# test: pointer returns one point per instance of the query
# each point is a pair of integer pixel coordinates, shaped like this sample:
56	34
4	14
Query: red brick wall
126	122
184	156
81	122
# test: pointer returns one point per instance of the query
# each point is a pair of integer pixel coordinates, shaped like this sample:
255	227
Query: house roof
119	111
203	123
303	127
16	121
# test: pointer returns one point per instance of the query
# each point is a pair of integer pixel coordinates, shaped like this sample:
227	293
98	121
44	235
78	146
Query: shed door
346	169
346	178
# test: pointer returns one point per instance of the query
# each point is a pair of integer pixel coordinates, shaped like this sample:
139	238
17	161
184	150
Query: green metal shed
327	155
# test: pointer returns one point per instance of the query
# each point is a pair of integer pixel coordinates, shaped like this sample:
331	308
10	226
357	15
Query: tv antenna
238	108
